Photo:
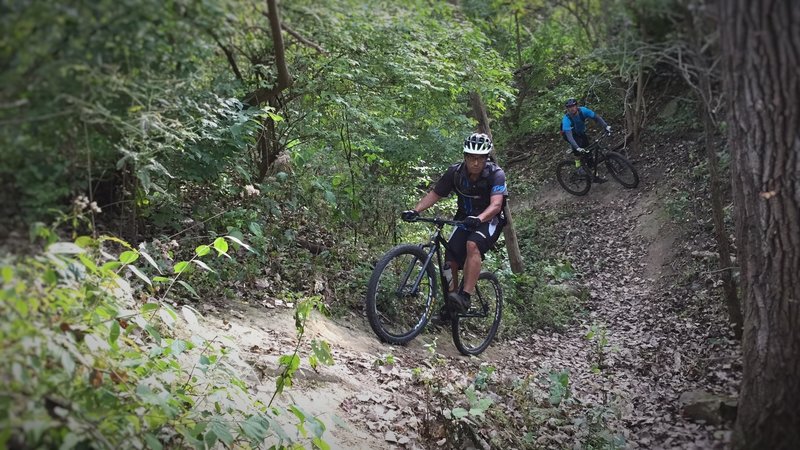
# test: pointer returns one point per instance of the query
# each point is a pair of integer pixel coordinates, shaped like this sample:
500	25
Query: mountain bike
576	177
403	293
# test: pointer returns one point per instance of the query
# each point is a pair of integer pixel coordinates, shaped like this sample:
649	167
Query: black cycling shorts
484	236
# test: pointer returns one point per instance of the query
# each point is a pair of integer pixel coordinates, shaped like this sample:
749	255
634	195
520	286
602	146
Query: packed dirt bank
651	333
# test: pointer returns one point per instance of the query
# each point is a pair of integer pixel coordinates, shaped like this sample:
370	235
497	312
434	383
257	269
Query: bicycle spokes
622	170
573	177
475	329
399	294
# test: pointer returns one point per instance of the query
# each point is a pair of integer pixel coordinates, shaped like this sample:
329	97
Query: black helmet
570	102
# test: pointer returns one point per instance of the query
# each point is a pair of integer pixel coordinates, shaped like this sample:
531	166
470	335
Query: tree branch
284	79
303	40
228	55
262	95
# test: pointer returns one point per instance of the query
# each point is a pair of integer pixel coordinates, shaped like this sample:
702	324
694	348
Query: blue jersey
579	120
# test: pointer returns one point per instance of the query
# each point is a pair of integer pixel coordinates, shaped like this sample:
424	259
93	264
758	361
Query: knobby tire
622	170
570	180
396	312
474	331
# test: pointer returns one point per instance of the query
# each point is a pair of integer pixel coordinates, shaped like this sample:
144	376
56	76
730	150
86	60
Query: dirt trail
621	243
660	344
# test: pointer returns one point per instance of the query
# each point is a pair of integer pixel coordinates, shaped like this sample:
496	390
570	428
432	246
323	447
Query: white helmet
478	144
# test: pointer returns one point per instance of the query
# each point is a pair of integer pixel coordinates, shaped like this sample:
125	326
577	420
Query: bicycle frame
436	241
597	155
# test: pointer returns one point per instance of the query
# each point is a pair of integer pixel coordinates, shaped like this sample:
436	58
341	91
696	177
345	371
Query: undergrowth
466	414
543	296
99	353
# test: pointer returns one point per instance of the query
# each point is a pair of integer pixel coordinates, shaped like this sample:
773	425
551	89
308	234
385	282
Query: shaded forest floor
652	330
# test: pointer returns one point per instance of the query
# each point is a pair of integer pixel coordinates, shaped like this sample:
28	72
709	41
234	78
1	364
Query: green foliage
291	362
482	379
388	114
598	336
560	271
534	410
111	86
94	363
533	304
539	297
153	129
559	387
677	205
678	115
476	407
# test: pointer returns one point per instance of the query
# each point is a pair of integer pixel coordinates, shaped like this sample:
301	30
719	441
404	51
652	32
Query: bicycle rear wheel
397	307
474	330
572	181
622	170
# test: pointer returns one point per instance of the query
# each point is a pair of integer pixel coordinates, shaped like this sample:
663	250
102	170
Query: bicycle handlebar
596	142
437	221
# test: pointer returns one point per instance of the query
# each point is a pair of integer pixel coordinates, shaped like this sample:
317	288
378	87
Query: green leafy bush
91	359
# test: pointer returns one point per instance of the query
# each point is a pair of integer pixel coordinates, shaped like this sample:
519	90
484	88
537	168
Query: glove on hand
410	215
608	129
472	222
581	150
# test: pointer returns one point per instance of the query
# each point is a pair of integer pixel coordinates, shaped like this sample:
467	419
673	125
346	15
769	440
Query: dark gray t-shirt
475	197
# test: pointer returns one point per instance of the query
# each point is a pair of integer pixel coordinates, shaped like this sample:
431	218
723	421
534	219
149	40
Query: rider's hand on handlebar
410	215
581	150
608	130
472	222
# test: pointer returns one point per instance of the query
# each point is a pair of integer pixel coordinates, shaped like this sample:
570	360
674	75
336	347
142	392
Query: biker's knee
472	248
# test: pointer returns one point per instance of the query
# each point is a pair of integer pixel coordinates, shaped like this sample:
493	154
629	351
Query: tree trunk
635	108
512	244
518	39
723	245
267	144
705	93
638	110
761	55
479	112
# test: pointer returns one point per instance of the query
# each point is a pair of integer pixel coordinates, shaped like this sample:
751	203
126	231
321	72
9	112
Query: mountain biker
481	188
573	128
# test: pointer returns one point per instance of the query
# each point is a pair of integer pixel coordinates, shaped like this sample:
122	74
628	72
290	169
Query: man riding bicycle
573	128
481	188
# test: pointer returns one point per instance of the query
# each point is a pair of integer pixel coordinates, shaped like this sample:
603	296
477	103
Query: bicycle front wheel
400	294
622	170
474	330
571	180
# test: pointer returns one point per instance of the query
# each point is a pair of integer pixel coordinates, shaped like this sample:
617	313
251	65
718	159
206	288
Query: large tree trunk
761	55
512	244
